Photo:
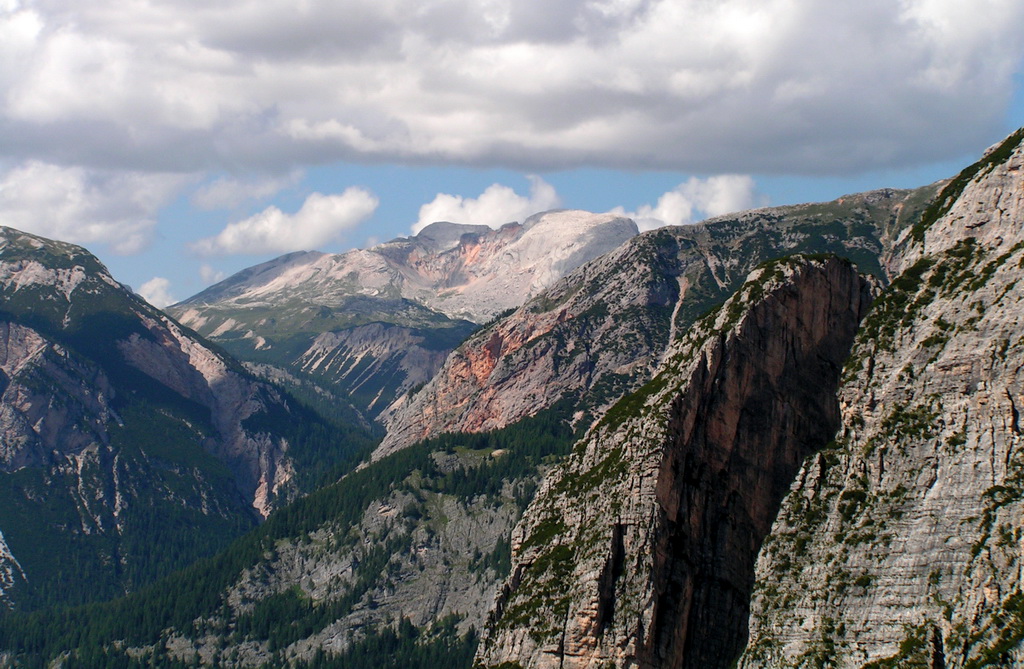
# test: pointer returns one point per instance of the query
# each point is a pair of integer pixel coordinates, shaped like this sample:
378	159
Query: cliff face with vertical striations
892	541
902	544
640	549
601	332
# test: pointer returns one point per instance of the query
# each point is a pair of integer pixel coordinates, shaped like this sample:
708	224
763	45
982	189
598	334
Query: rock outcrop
639	550
11	574
600	332
64	317
901	545
376	362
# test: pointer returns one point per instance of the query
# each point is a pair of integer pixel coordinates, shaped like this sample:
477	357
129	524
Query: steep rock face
125	441
55	292
36	417
602	330
901	545
259	459
640	549
375	363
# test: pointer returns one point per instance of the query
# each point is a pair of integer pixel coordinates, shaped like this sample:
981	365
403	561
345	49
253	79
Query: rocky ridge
467	272
116	423
409	550
640	548
80	295
600	332
901	544
377	323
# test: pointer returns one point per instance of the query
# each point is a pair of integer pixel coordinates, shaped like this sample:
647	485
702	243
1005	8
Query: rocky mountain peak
979	203
600	331
264	273
47	269
443	236
463	271
310	313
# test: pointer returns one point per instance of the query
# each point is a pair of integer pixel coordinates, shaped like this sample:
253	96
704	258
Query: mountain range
379	322
128	446
784	437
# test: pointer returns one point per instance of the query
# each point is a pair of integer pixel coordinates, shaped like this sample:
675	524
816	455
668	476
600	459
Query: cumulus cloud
85	206
496	206
228	193
321	219
157	291
735	85
697	199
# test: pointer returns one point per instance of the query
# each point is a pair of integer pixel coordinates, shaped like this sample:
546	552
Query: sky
182	141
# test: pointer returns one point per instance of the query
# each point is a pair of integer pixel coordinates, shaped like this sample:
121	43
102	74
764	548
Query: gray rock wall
640	549
902	544
602	331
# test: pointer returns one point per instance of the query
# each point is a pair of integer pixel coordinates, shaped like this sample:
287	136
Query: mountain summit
785	437
378	322
466	272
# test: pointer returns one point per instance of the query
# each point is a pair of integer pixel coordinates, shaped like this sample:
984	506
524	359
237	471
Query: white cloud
735	85
228	193
697	199
210	274
496	206
85	206
321	219
157	292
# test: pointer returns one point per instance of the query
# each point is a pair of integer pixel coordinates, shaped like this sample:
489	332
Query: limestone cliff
901	544
639	550
601	332
67	326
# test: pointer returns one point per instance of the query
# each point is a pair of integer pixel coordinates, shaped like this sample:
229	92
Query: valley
783	437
